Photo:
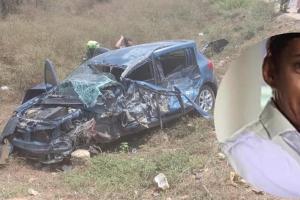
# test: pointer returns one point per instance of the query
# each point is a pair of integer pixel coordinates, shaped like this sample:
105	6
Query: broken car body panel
111	95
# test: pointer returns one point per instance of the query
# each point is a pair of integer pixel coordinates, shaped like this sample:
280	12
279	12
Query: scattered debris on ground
80	157
161	181
4	88
236	180
221	156
33	192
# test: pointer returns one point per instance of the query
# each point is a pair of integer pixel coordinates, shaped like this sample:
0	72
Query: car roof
131	56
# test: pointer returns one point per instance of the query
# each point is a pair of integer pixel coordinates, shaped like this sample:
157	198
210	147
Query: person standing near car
93	49
123	42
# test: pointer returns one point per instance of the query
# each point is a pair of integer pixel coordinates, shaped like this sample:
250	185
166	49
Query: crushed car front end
49	127
45	132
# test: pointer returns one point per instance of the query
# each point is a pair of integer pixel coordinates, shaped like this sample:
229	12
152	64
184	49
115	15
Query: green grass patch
232	4
124	173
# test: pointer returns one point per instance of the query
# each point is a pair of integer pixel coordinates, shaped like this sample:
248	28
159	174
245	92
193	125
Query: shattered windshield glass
85	84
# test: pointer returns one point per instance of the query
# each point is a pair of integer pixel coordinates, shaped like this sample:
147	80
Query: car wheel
206	99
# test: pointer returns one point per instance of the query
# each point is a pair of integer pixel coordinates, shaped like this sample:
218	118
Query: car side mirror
50	76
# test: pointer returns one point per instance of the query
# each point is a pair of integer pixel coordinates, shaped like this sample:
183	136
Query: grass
243	19
59	30
126	173
6	193
232	4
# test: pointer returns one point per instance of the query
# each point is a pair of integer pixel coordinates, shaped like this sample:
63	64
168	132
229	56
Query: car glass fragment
86	86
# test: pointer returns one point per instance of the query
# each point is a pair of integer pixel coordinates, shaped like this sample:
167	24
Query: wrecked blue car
114	94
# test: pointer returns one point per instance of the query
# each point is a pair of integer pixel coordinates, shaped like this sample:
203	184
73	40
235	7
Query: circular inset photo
257	115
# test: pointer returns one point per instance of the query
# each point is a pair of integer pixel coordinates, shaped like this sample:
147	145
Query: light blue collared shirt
266	153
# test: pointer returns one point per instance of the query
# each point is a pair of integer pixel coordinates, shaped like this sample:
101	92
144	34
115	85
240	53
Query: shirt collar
274	121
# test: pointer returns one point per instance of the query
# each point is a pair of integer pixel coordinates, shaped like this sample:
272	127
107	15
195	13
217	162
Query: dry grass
59	30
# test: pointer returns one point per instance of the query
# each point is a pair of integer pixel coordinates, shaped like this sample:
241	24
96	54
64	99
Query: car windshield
86	84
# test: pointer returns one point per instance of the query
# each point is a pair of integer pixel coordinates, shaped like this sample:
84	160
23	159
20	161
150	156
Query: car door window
142	73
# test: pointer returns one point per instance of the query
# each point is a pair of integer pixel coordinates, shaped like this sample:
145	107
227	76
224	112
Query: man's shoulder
249	136
254	127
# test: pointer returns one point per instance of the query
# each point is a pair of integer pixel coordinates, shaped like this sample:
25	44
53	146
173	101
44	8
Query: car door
141	108
178	70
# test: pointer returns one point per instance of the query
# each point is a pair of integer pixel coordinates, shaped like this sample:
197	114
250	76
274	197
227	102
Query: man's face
286	82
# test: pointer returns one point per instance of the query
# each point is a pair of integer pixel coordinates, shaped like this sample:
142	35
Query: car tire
206	99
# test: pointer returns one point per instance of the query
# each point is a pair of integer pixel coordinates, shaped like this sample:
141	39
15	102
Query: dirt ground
20	176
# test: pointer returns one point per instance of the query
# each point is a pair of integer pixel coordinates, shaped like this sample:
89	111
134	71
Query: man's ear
269	72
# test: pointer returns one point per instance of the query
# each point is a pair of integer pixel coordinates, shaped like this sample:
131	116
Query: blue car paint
206	74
